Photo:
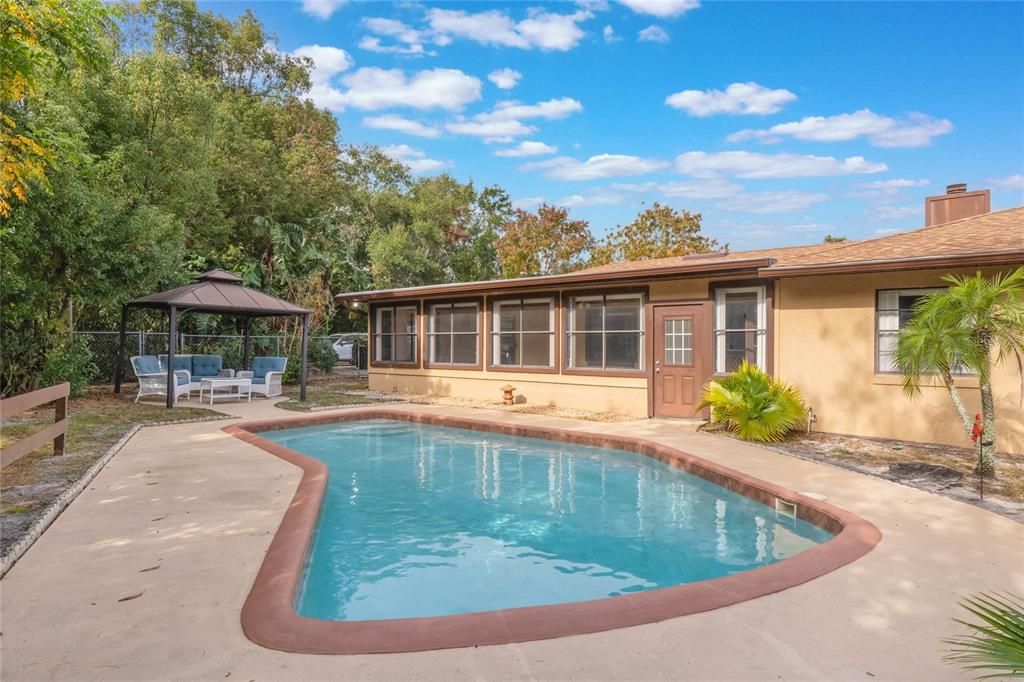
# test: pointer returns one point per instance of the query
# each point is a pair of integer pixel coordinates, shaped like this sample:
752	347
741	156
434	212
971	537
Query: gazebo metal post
305	352
118	369
172	347
245	343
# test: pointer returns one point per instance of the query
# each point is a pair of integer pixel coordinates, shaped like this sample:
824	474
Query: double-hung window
893	310
523	333
741	327
454	334
394	335
606	332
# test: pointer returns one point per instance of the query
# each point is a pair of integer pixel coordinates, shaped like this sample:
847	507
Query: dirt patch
97	421
941	469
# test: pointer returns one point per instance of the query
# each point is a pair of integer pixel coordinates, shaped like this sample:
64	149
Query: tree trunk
987	466
958	403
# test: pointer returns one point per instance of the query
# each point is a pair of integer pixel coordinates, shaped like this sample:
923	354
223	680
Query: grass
325	391
97	421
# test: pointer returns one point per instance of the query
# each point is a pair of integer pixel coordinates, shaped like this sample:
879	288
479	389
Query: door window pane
679	342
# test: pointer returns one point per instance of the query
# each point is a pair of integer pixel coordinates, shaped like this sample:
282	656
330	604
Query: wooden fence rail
58	396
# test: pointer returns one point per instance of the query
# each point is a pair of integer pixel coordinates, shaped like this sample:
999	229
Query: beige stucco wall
619	395
825	345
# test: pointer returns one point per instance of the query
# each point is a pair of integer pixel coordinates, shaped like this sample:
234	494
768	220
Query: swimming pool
422	520
412	529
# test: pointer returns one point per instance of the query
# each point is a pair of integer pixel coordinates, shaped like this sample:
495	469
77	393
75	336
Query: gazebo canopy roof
222	292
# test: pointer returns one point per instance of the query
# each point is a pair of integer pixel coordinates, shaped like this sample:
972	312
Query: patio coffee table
221	387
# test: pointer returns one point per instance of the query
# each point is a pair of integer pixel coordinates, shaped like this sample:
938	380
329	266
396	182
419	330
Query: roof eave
569	280
890	264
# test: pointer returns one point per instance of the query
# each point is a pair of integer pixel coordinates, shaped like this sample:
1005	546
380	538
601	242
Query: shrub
753	405
322	355
71	361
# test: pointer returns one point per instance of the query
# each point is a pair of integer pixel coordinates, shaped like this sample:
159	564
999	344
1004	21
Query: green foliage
657	232
834	239
753	405
69	361
545	242
996	643
322	355
975	323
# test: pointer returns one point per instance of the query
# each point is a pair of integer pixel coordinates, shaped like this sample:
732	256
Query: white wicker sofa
266	375
152	378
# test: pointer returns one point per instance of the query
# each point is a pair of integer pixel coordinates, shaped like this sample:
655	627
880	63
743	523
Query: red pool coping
269	617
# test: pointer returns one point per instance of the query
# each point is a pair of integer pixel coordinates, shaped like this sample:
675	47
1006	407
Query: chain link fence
322	349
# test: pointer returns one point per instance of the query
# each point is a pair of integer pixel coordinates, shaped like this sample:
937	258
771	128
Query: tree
832	239
39	40
657	232
975	323
542	243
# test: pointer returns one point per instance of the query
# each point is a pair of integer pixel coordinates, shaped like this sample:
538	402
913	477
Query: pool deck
202	507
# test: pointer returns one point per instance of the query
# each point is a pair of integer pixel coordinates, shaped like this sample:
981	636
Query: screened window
394	335
606	332
741	327
454	335
894	309
523	333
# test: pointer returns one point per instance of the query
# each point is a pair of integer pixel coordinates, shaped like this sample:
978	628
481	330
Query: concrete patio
144	576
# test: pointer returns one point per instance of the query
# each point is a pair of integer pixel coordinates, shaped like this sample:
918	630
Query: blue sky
779	122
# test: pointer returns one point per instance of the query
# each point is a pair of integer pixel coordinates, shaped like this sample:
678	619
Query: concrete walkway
144	576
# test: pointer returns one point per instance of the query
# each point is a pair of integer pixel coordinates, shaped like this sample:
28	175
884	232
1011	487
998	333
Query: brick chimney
955	204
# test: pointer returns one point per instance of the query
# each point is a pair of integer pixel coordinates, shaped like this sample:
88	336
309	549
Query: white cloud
503	123
609	35
661	8
600	166
327	61
895	183
708	188
592	199
914	130
373	88
527	148
896	212
739	98
506	79
653	34
1009	182
771	202
416	159
401	125
754	165
527	203
540	30
322	9
412	39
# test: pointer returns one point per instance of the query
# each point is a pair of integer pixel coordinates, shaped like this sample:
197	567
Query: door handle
657	366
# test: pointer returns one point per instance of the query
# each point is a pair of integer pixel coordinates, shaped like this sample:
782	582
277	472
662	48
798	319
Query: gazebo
218	292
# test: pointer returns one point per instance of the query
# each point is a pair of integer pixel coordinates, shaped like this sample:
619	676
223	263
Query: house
642	338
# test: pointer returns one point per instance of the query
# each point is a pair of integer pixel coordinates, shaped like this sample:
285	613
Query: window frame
567	331
763	329
920	291
374	334
494	332
428	333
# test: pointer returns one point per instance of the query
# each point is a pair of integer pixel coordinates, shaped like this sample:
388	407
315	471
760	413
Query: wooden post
60	414
118	370
305	352
172	344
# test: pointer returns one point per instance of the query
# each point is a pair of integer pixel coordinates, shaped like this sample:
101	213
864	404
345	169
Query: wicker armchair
153	379
266	375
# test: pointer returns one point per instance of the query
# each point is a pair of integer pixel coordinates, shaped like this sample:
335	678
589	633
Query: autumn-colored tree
657	232
542	243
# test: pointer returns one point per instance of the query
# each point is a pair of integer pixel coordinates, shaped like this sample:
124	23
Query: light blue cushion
262	365
146	364
182	379
206	365
181	361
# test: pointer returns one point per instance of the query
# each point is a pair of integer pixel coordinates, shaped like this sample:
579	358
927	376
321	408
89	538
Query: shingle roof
991	238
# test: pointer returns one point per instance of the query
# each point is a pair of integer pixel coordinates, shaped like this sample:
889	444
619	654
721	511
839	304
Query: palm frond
996	644
753	405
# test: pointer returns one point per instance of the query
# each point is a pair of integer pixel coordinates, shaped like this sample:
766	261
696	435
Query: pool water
423	520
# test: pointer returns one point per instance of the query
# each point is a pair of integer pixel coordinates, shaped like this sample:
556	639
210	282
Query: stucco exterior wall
825	345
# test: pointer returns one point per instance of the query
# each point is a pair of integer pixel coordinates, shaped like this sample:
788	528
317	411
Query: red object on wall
978	428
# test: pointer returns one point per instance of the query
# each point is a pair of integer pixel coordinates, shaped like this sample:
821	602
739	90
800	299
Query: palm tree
973	325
